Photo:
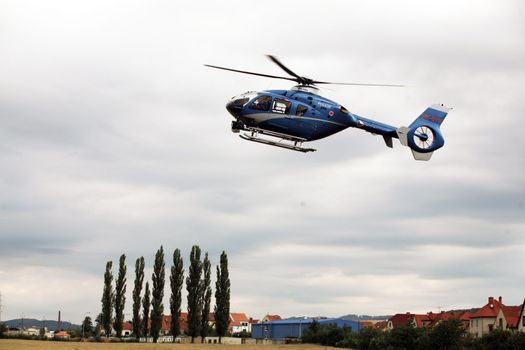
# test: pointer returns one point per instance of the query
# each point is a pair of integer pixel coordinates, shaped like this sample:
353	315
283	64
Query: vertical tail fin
424	136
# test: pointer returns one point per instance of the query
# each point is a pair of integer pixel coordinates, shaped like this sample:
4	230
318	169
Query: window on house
281	106
500	323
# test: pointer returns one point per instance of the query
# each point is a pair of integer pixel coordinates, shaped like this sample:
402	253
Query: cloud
115	140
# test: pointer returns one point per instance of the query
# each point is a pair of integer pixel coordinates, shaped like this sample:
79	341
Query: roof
62	334
491	309
271	318
420	319
166	322
127	326
238	317
512	314
399	320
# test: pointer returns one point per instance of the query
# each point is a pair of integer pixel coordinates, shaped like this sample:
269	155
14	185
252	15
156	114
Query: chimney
491	300
59	323
500	299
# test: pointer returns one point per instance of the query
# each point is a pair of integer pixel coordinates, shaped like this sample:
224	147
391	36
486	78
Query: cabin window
262	103
281	106
301	110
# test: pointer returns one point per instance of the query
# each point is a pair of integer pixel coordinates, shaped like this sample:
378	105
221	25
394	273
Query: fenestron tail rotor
423	137
301	80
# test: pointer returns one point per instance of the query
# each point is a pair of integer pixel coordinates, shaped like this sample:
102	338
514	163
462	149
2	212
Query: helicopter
289	118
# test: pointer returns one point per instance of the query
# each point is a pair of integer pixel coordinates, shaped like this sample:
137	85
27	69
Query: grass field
16	344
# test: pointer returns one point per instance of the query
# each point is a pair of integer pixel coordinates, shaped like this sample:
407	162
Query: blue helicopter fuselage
298	113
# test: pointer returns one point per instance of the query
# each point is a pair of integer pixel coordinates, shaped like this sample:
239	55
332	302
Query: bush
3	330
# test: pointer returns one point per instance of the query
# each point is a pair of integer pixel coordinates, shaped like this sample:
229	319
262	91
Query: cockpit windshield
242	99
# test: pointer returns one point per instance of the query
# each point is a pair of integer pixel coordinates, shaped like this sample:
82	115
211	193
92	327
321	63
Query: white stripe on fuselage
262	117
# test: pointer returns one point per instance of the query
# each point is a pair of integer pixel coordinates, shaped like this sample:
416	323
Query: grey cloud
115	140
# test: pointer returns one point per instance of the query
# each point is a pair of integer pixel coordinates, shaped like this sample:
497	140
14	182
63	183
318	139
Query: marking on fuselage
261	117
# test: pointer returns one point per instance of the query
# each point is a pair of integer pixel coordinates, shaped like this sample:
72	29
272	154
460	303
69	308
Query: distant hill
353	317
31	322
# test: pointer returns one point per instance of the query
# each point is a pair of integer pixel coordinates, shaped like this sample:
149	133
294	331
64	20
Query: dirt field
15	344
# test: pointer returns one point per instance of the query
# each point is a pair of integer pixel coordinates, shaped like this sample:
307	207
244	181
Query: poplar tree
206	297
120	296
108	299
145	311
222	298
193	286
176	282
157	307
139	279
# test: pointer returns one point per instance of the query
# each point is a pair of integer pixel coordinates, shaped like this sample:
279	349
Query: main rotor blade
357	84
283	67
251	73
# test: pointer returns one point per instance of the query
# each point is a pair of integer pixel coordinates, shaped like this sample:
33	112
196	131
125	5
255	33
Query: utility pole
0	307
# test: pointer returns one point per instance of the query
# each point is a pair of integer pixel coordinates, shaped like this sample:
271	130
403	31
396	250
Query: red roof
127	326
399	320
166	322
62	334
268	318
236	318
431	319
512	314
491	309
420	319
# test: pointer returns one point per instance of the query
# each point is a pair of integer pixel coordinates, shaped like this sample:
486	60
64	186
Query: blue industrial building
294	327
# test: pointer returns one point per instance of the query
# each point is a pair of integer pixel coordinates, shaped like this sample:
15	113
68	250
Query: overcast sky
114	139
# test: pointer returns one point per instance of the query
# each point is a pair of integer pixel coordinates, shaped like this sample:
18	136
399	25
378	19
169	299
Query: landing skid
286	141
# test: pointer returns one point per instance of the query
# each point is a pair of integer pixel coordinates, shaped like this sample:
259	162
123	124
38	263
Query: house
482	321
270	318
381	325
280	330
62	335
507	318
239	322
165	326
400	320
127	329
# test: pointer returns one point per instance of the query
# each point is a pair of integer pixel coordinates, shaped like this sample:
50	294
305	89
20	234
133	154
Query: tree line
148	307
446	335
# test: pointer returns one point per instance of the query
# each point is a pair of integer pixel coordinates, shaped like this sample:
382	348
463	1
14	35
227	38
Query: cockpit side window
262	103
281	106
301	110
344	110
